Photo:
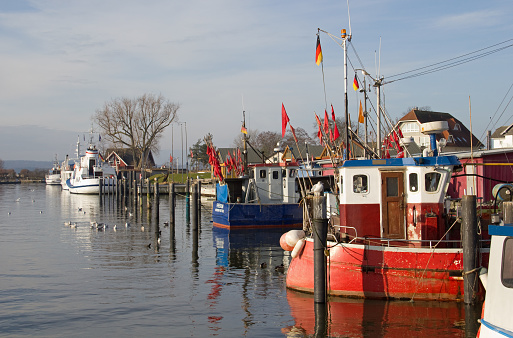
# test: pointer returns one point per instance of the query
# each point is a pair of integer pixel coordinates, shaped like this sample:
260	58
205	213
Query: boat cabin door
393	205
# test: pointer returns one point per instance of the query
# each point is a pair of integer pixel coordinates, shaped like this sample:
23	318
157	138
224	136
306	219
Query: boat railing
432	243
348	227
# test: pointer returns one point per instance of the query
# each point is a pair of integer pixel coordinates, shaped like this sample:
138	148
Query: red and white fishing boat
391	237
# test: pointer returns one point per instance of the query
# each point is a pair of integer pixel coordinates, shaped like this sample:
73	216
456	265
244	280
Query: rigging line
503	111
323	81
493	117
458	57
454	64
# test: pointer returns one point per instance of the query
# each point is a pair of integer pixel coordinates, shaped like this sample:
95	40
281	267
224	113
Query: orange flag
361	118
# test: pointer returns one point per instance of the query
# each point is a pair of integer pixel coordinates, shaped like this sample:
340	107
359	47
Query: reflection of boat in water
230	243
376	318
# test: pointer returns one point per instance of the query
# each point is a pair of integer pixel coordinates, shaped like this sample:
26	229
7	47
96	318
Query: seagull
142	228
33	201
80	209
73	226
280	268
67	223
263	265
9	213
115	227
18	199
130	214
166	224
40	211
318	187
149	246
127	225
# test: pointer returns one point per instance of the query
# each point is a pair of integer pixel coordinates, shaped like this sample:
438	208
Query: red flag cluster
392	141
333	134
234	163
214	162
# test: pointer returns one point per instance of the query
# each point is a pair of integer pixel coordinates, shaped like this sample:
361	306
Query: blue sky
62	60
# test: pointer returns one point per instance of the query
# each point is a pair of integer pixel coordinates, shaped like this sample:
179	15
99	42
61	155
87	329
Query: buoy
297	248
289	239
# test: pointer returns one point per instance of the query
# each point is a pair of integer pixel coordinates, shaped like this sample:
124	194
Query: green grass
178	178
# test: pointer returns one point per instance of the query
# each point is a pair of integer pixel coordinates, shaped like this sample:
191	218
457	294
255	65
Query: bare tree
137	123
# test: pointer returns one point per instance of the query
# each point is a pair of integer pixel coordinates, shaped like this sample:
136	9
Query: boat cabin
266	184
399	198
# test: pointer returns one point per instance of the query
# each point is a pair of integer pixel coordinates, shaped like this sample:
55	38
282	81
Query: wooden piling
320	229
194	207
470	249
507	212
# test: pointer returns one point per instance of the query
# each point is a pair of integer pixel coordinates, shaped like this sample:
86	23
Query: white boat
66	173
91	172
54	175
498	281
67	167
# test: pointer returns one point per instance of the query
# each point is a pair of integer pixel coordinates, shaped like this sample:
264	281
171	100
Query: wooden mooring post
194	207
470	249
320	230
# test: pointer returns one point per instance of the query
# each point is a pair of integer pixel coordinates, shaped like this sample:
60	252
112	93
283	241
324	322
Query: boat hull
247	216
367	271
90	186
53	179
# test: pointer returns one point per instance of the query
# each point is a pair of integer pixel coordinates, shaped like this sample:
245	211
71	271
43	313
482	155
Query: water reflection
375	318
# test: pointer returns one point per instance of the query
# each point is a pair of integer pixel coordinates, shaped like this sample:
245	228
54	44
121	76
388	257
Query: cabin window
507	263
284	173
414	182
392	187
341	184
263	173
432	181
360	184
292	173
276	174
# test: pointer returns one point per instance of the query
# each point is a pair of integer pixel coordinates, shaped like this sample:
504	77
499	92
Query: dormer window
457	127
410	127
450	139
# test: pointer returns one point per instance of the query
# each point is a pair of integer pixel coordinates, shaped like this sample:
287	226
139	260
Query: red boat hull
367	271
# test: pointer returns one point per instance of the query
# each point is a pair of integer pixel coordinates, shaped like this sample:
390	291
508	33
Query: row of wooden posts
127	187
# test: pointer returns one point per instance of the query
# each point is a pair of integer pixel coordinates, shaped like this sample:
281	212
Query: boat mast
245	151
346	38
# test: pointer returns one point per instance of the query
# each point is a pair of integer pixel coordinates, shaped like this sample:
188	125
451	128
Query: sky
61	61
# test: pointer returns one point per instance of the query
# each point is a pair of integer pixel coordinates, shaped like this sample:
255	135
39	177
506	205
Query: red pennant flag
336	134
284	120
318	120
326	122
293	132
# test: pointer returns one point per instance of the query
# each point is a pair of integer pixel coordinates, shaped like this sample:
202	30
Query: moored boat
498	282
90	174
54	174
392	237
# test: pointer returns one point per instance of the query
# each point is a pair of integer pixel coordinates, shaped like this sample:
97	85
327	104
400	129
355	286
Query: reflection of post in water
472	314
172	204
199	202
321	311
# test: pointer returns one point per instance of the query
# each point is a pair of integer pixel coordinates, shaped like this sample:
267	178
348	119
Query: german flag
318	52
243	130
355	83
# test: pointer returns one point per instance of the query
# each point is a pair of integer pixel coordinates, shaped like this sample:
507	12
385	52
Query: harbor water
153	279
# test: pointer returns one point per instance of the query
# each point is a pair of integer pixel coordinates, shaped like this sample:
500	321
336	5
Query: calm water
56	281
